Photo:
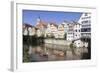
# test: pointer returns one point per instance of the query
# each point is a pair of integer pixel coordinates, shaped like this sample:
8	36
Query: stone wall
57	42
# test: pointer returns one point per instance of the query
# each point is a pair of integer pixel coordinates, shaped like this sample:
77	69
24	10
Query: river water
49	52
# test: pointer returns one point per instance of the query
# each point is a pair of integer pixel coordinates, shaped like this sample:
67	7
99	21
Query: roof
42	24
54	24
73	23
27	25
62	25
76	23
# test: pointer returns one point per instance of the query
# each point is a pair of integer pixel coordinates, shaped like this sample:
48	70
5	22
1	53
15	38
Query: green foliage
26	57
72	45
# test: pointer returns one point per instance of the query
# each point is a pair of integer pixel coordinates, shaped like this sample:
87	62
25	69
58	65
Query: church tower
38	20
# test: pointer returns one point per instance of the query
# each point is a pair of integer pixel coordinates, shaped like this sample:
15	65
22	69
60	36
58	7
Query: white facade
30	31
25	32
77	34
39	33
74	33
61	31
52	30
65	28
85	21
70	32
33	31
77	31
48	30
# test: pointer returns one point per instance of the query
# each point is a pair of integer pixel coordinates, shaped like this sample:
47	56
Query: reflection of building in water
51	53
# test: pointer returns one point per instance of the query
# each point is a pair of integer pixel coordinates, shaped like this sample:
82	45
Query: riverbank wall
57	42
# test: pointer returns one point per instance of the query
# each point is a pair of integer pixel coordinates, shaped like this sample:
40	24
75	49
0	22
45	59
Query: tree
72	45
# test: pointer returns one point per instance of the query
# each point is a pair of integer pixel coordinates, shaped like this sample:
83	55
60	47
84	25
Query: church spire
39	19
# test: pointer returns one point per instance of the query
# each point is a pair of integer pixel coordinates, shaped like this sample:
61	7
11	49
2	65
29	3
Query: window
86	17
89	25
86	29
85	22
79	30
86	14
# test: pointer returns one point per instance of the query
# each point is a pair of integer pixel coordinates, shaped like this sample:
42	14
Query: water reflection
49	52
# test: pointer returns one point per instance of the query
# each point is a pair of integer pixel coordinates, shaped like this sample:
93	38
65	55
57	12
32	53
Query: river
51	52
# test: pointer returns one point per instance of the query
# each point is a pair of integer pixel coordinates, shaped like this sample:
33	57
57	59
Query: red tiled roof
41	24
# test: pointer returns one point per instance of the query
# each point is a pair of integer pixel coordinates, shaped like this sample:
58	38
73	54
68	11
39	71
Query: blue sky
30	16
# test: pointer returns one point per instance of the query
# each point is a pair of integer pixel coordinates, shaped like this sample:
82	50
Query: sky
30	16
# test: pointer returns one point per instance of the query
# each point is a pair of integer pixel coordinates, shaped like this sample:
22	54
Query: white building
85	21
65	26
33	31
77	30
61	32
48	30
74	33
77	34
39	33
70	32
65	23
25	32
28	30
52	30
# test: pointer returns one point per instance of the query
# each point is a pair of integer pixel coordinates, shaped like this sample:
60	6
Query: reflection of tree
26	57
87	55
72	45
